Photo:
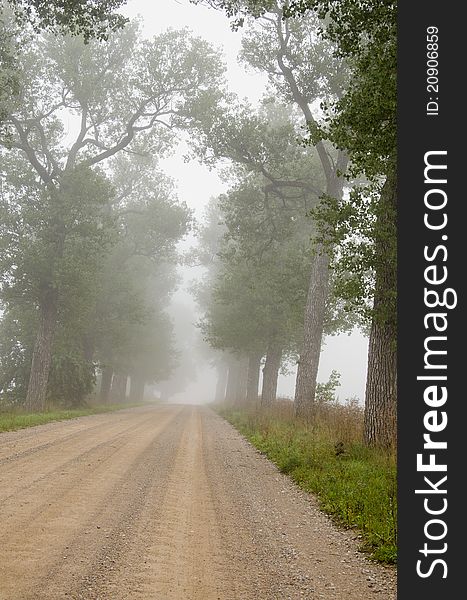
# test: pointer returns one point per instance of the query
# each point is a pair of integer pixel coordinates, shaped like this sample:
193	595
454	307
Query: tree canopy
89	18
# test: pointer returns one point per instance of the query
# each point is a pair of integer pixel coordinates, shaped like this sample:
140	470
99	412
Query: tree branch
302	102
79	142
126	139
30	152
45	149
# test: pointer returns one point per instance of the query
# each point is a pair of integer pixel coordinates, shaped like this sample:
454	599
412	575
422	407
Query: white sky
194	181
196	184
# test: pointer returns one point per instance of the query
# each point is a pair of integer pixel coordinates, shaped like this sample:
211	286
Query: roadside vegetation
11	420
355	484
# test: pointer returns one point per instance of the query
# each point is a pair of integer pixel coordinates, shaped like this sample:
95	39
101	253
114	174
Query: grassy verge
355	485
13	420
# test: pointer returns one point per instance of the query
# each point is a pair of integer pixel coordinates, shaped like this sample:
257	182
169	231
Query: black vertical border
417	134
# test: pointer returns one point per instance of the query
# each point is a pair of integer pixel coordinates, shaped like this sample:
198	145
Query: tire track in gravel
16	444
21	474
166	503
37	530
179	552
111	526
285	548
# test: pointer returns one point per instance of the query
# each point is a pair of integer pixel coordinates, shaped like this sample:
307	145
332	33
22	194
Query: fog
345	353
198	221
157	216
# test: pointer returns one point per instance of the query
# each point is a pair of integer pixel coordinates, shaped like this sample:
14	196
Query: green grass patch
13	420
355	485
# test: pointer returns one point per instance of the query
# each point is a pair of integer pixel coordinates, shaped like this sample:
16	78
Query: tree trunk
270	374
234	381
318	289
230	389
380	419
106	382
254	365
315	312
222	371
118	390
242	378
380	425
42	354
137	385
315	309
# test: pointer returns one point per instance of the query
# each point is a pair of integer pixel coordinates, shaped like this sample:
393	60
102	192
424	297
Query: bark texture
270	374
254	365
318	288
42	354
380	426
315	311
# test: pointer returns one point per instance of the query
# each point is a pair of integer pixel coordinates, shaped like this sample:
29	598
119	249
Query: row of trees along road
256	291
89	226
337	60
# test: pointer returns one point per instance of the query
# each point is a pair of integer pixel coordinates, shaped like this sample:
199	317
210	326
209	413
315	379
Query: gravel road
165	503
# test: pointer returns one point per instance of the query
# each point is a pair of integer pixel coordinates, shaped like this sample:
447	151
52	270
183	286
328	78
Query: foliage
257	285
34	224
347	228
123	92
115	262
256	301
364	120
358	115
326	392
238	9
72	376
134	334
89	18
9	81
82	223
17	327
295	58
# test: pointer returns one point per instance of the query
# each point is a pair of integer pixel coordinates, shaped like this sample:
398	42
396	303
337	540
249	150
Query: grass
12	420
354	484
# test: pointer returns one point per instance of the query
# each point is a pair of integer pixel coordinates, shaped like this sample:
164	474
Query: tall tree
302	70
258	291
364	122
118	91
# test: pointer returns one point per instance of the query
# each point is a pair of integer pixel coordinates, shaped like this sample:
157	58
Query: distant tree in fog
362	122
122	93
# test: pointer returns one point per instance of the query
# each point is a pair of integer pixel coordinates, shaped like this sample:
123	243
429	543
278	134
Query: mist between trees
301	245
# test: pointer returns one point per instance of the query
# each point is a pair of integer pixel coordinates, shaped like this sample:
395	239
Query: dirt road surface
165	503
